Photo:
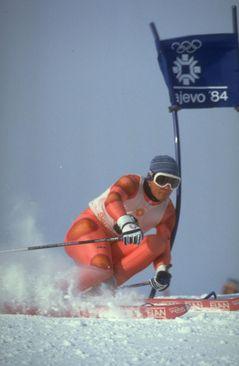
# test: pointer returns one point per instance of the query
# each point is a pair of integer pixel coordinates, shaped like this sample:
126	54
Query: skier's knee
101	261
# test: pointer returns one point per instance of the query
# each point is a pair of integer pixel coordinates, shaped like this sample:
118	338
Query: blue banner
201	71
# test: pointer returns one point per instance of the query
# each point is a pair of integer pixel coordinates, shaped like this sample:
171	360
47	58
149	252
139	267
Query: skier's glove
131	232
162	279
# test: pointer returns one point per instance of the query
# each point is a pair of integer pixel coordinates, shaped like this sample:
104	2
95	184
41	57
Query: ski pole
57	245
146	283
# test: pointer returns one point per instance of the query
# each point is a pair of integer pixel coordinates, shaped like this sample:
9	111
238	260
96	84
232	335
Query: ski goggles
162	179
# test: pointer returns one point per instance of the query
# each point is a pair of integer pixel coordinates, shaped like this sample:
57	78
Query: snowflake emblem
186	69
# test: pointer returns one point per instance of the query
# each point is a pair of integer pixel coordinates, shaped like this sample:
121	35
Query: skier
231	286
129	208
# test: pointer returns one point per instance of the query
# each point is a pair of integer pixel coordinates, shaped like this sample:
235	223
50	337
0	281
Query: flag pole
174	110
235	31
234	20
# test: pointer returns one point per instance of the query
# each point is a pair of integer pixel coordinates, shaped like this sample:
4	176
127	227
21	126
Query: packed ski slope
200	337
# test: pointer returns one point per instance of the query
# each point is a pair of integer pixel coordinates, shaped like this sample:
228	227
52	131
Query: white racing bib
148	215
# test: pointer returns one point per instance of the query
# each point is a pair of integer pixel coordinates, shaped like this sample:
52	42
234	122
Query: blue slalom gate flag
201	71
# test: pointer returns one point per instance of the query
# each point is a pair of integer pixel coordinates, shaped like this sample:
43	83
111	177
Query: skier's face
160	193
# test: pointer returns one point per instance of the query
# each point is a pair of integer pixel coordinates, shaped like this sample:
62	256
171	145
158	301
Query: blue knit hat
164	164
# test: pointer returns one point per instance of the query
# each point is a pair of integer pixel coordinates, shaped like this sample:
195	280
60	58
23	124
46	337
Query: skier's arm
125	188
164	232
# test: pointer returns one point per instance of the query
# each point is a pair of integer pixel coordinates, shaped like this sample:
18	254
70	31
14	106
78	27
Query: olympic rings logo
186	46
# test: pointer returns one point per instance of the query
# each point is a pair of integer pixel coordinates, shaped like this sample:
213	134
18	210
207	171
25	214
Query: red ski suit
126	196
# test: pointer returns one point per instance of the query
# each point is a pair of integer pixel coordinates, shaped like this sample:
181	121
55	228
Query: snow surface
200	337
203	338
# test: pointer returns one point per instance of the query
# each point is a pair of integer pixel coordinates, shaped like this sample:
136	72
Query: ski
159	311
224	303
